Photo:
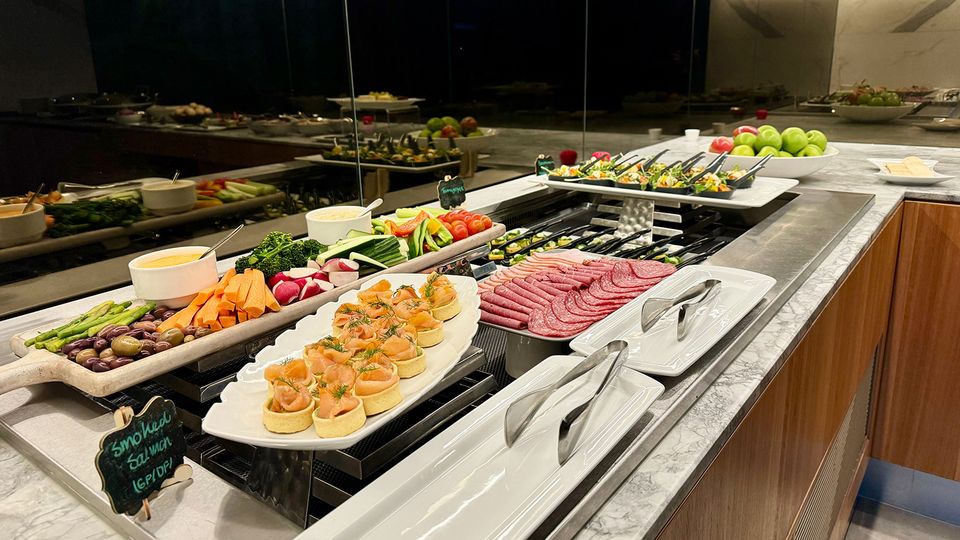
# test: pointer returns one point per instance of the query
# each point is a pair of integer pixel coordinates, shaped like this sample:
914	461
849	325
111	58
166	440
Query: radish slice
302	282
299	273
313	264
342	278
347	265
285	292
276	278
333	265
324	285
312	288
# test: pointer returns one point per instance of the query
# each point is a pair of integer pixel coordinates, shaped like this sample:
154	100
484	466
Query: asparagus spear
91	315
53	332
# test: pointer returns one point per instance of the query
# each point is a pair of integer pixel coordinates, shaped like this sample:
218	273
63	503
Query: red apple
745	129
721	145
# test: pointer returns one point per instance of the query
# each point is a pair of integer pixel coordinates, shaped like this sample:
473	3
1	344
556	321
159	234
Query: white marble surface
654	490
34	507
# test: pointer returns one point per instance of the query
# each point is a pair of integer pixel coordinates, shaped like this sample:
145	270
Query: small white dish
173	286
165	198
465	483
17	228
899	180
331	224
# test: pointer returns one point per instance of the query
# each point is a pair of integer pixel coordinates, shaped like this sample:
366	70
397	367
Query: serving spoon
370	207
29	205
223	241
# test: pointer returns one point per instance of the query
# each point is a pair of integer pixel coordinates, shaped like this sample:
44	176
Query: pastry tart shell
412	367
383	400
447	312
342	425
287	422
429	338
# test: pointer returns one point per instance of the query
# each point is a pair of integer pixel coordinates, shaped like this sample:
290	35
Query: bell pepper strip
409	226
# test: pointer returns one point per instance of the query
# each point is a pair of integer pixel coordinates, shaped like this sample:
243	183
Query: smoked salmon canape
378	387
442	297
326	352
378	292
429	329
338	412
293	371
289	409
406	354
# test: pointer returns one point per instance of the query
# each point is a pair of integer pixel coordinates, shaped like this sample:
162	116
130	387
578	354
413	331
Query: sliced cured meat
542	322
566	316
505	291
560	278
494	298
547	288
503	312
520	287
651	269
573	306
501	321
606	283
596	290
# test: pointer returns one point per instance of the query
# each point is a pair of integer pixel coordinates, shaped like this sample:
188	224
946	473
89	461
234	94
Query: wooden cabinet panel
917	422
756	485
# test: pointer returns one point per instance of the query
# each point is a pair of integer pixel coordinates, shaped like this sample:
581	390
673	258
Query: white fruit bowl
781	167
467	144
867	113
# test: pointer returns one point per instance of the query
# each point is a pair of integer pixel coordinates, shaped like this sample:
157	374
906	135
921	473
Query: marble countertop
33	505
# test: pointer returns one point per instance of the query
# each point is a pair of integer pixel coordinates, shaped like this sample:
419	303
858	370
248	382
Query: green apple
810	151
876	101
435	124
794	139
746	138
784	154
768	137
863	99
438	134
425	133
742	150
768	151
817	138
767	126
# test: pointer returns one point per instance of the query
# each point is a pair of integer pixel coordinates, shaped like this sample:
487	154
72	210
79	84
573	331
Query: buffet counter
641	490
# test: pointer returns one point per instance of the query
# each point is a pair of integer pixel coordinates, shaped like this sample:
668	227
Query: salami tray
568	299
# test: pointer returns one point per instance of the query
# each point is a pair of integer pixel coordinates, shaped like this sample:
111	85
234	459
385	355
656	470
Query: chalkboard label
451	192
543	165
136	458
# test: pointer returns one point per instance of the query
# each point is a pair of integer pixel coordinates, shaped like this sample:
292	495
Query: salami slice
546	287
520	288
570	301
542	322
651	269
564	315
599	292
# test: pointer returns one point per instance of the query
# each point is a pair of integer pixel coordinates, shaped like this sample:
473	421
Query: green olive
202	332
174	336
125	346
85	355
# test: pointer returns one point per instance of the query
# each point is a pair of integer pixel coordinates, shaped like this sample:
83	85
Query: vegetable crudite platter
183	301
351	367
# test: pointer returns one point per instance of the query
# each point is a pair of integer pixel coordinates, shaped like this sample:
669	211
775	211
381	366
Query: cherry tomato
459	233
447	226
487	222
475	226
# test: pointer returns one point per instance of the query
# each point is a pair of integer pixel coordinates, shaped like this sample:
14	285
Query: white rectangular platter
238	416
764	190
466	484
657	351
318	158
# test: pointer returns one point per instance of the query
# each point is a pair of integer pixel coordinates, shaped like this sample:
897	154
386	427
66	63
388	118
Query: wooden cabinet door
918	422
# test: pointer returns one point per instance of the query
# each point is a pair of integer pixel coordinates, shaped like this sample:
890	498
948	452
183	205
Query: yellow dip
335	214
170	260
10	213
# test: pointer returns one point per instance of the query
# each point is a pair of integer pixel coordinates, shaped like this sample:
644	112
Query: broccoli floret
278	252
312	248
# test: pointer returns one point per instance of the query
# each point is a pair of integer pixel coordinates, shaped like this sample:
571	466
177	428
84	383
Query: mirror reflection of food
193	109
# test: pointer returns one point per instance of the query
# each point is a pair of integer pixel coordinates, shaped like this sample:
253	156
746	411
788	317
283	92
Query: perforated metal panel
822	506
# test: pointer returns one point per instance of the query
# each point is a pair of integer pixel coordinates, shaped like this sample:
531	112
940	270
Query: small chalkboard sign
451	192
135	459
543	165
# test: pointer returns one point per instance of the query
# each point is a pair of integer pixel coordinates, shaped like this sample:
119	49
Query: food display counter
815	240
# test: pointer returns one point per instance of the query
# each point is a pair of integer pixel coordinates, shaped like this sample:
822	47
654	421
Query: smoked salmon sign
135	459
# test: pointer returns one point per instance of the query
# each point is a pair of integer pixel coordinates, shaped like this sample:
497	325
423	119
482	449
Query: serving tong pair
690	300
523	409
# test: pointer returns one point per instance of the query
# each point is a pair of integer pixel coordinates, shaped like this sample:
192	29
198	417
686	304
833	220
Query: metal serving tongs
523	409
655	308
688	309
573	424
749	176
